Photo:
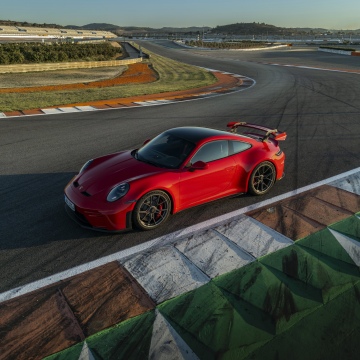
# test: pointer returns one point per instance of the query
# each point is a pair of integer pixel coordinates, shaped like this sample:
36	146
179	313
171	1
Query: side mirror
199	165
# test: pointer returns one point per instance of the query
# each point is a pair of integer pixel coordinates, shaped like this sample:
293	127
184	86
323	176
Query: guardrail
65	65
341	52
138	48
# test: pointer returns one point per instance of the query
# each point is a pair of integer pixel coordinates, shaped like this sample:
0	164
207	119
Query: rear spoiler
277	135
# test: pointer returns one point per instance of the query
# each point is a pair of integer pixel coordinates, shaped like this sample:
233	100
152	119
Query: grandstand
52	33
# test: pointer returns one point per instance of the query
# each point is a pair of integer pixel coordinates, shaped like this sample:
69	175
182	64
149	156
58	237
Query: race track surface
318	107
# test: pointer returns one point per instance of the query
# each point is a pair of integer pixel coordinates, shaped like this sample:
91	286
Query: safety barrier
341	52
65	65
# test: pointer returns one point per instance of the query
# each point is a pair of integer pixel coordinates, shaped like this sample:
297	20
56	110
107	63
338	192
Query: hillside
27	24
231	29
94	26
266	29
248	29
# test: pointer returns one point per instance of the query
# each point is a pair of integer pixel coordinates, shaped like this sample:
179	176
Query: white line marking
85	108
164	101
315	68
166	239
143	103
51	111
68	109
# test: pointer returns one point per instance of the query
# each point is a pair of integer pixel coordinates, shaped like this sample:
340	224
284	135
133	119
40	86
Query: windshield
166	150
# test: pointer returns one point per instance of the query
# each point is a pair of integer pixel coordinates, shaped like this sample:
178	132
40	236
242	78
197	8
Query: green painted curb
301	302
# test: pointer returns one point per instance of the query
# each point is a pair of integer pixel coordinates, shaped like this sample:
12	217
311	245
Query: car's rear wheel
152	210
262	178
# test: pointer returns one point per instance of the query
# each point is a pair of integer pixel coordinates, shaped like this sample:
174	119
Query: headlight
85	166
118	192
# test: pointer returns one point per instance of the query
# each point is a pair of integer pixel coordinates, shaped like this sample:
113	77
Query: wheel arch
254	167
149	214
165	190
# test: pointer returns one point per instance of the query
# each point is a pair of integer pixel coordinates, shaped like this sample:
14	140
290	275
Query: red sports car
178	169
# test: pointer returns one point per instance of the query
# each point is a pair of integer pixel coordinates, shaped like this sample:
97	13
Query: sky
328	14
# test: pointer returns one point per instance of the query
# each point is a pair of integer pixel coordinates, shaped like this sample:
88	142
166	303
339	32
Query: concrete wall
66	65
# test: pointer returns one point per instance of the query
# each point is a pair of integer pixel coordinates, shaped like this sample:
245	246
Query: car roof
196	134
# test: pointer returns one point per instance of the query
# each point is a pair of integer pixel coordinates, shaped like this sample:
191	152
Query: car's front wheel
262	178
152	210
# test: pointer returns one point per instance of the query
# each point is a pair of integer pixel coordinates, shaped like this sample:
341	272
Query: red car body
144	186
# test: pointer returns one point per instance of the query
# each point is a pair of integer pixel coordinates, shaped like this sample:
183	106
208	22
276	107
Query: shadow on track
32	208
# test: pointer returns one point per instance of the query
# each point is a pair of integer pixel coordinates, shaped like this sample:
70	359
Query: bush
4	58
30	53
16	57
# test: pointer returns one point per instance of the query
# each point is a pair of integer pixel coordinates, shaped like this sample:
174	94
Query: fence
63	66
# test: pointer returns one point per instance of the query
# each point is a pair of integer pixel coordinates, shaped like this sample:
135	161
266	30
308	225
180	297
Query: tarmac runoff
272	281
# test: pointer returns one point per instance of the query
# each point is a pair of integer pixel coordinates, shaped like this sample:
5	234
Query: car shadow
32	208
38	238
33	214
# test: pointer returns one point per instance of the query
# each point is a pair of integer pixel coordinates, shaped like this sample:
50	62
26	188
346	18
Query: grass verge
172	76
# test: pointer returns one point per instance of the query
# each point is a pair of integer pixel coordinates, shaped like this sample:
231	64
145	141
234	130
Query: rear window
238	146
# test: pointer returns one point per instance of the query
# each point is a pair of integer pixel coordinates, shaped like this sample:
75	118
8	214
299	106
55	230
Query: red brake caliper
158	215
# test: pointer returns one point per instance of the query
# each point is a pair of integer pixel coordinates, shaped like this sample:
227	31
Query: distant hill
266	29
187	29
27	24
94	26
231	29
138	29
248	29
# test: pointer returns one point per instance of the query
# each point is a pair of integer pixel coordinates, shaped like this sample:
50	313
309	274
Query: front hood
106	172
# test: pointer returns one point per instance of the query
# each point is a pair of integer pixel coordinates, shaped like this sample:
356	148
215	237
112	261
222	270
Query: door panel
199	186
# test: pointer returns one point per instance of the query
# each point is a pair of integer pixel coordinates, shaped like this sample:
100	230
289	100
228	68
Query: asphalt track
275	280
318	109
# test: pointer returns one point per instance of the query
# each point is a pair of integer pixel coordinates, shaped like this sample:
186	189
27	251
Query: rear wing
277	135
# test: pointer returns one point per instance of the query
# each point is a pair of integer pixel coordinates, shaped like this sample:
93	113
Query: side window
238	146
212	151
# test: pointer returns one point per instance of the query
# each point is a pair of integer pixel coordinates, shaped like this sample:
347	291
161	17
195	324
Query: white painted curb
175	236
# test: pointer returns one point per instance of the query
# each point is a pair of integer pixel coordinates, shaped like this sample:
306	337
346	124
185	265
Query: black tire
152	210
262	178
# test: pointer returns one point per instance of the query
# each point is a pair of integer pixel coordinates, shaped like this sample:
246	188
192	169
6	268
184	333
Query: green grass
172	76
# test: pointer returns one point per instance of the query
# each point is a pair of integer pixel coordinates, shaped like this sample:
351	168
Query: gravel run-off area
58	77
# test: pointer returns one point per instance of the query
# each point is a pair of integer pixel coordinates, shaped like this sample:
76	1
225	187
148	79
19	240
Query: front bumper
98	216
83	222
